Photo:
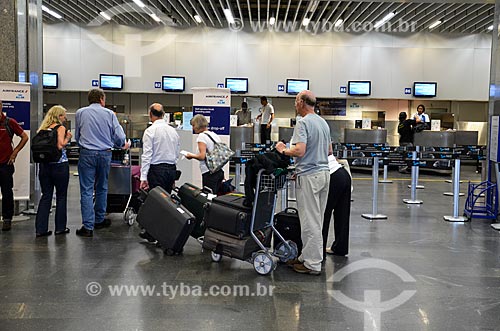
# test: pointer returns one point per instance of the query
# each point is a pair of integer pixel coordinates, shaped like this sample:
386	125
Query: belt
164	165
96	150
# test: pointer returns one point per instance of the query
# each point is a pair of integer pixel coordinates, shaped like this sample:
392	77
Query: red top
5	141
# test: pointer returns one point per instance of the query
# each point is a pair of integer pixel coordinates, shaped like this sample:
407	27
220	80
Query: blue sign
281	88
407	90
343	89
220	85
95	82
18	110
219	117
157	84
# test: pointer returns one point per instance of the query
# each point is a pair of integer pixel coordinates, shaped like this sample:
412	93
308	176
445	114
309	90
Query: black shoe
45	234
330	251
65	231
147	236
83	232
104	224
7	224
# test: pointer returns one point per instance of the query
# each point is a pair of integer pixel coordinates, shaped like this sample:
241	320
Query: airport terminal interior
424	240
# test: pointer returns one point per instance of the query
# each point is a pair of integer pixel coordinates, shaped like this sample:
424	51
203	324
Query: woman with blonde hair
54	174
206	143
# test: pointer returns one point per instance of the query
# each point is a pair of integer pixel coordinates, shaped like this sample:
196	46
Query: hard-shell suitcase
227	245
288	225
194	199
227	214
166	220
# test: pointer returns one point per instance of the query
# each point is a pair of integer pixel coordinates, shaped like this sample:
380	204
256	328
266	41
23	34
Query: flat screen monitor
359	88
237	85
424	89
50	80
111	82
295	86
173	83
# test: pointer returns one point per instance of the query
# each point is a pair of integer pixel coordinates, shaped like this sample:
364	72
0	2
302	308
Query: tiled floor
413	271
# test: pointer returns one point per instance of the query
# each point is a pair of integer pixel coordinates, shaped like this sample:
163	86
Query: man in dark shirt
8	156
406	132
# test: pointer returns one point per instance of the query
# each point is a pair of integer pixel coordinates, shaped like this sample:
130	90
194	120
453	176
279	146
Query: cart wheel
286	254
129	216
263	263
215	257
169	252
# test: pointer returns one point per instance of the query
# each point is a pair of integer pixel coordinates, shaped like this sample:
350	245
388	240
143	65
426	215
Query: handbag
218	157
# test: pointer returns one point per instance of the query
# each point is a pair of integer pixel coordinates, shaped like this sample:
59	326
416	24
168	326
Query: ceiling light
272	20
490	28
306	21
229	16
197	18
106	16
433	25
51	12
339	22
139	3
384	20
155	17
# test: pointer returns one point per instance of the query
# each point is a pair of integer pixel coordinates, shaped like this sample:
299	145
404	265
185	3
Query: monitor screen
237	85
295	86
424	89
360	88
111	82
50	80
173	83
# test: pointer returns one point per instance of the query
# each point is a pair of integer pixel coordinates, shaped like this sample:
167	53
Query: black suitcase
288	225
194	199
227	214
166	220
227	245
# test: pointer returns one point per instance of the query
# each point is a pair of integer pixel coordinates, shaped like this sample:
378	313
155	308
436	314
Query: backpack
218	157
6	124
44	146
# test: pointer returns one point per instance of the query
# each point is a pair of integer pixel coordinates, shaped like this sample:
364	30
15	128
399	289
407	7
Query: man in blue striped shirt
96	131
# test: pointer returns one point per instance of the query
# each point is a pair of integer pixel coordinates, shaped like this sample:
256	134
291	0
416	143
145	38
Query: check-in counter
240	134
285	133
364	136
428	138
463	138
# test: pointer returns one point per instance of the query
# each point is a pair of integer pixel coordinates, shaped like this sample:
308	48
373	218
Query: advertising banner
215	105
16	104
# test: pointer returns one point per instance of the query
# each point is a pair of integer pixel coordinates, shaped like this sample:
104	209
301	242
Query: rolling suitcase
166	220
288	225
227	214
194	199
239	248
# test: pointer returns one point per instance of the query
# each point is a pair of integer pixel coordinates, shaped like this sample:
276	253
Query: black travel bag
227	245
194	199
166	220
288	225
227	214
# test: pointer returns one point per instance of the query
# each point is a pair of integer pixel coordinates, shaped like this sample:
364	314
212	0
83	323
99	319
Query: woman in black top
405	129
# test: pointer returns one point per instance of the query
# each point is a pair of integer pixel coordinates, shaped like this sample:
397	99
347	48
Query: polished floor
413	271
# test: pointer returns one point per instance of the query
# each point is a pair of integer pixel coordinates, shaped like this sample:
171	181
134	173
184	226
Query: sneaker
302	269
293	262
7	225
104	224
330	251
83	232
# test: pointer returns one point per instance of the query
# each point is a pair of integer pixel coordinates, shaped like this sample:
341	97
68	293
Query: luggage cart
122	186
263	259
482	201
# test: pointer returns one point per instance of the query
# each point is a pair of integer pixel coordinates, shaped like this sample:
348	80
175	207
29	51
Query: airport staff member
244	116
424	118
8	156
266	117
96	131
310	145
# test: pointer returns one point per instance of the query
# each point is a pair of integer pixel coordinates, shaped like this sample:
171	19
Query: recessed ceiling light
384	20
51	12
433	25
229	15
106	16
306	21
197	18
155	17
339	22
139	3
272	20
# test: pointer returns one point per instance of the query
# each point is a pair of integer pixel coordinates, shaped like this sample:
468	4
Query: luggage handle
291	210
175	198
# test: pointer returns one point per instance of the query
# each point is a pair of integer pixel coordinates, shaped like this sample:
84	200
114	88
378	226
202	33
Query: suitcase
166	220
194	199
227	245
227	214
288	225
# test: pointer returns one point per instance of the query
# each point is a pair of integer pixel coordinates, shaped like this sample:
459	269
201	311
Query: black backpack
44	146
6	124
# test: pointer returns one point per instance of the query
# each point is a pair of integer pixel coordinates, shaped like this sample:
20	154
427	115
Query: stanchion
453	175
37	193
385	180
374	215
414	173
456	196
416	185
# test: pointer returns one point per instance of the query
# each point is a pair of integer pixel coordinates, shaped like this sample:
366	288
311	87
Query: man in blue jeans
96	131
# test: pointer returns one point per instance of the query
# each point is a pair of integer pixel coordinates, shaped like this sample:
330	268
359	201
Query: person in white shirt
424	118
160	152
206	143
266	117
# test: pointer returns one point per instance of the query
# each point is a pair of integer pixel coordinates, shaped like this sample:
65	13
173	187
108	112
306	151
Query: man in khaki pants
310	145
